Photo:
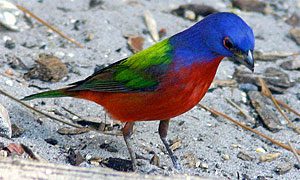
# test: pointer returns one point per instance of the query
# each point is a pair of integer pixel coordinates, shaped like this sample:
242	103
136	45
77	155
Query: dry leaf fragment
72	131
135	43
264	110
16	131
75	158
48	68
151	25
175	144
269	157
15	149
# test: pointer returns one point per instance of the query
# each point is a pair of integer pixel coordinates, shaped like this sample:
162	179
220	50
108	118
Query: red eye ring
227	43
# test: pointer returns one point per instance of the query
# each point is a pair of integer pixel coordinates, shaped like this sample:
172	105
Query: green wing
140	72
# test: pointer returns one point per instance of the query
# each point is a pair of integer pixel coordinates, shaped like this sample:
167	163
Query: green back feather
140	72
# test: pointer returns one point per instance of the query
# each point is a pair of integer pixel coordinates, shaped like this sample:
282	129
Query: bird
167	79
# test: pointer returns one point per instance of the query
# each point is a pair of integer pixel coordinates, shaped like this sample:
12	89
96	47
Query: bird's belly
146	106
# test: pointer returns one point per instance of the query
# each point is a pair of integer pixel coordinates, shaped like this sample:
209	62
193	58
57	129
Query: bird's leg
163	131
127	132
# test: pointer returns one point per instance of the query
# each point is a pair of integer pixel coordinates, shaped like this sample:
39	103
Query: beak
246	59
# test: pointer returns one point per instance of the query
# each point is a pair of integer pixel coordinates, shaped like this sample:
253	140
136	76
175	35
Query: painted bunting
167	79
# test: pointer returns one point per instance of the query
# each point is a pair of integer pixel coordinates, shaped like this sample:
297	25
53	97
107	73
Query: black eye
227	43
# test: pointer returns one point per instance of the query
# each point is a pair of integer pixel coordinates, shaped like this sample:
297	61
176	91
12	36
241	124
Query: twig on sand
30	153
49	26
215	112
242	111
266	92
54	118
38	111
74	114
281	103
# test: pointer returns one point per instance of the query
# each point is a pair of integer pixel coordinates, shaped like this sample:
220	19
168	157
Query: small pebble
9	82
88	157
89	37
59	54
75	117
9	72
293	20
283	168
203	165
94	3
198	163
51	141
10	44
298	96
235	145
291	65
70	55
246	87
260	150
190	15
16	131
95	163
226	157
261	178
3	153
244	156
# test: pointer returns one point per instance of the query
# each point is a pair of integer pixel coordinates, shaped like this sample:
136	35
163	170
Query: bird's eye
227	43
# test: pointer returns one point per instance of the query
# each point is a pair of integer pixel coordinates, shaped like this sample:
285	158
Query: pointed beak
246	59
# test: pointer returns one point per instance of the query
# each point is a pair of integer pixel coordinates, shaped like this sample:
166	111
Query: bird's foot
134	165
176	163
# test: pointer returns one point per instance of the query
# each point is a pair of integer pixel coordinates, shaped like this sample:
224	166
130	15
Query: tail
48	94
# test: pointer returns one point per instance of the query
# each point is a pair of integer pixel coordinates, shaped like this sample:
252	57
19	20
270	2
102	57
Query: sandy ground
207	137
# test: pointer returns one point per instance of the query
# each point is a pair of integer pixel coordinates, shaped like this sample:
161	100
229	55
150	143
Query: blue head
220	34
